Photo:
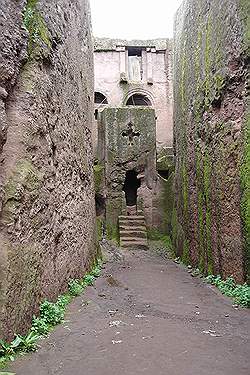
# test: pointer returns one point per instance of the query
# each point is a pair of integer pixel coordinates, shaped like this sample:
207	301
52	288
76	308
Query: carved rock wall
210	221
47	217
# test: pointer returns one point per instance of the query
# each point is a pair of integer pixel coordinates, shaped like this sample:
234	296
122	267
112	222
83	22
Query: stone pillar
123	73
149	66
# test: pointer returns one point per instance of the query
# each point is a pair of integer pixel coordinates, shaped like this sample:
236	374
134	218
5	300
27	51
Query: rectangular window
135	70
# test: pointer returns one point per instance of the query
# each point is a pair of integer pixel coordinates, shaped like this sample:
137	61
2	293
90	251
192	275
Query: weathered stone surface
120	153
210	65
47	201
13	43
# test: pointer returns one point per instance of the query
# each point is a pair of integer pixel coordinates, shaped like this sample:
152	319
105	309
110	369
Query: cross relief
130	133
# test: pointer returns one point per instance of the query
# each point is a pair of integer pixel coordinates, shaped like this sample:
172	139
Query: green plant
154	234
63	300
18	345
51	312
96	271
75	287
29	343
167	242
88	279
98	175
40	326
7	350
239	293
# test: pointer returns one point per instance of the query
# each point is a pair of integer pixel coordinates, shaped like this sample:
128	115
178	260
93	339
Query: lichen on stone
36	26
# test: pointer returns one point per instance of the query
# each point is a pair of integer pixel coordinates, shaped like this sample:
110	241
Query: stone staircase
133	232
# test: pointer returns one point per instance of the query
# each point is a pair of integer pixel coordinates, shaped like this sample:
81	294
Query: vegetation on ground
50	314
239	293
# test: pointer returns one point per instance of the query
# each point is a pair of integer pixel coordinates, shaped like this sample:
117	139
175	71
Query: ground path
150	317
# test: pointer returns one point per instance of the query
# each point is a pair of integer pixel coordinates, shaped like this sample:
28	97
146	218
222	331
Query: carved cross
130	133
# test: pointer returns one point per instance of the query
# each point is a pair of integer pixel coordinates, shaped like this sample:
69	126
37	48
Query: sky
133	19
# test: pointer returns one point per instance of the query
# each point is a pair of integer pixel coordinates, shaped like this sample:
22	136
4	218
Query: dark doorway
130	187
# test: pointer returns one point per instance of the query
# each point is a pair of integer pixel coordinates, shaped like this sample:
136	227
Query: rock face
210	65
47	192
13	44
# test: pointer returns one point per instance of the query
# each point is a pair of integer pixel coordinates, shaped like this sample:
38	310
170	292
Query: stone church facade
136	72
133	129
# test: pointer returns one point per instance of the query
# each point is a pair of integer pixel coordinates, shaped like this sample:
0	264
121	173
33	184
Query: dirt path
150	317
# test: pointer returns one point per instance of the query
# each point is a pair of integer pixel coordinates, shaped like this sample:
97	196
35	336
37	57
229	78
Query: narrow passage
145	315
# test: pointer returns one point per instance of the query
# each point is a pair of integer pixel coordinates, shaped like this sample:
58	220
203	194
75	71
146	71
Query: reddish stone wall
47	195
210	66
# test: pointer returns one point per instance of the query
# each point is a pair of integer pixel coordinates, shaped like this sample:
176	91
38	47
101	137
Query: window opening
135	69
138	99
100	98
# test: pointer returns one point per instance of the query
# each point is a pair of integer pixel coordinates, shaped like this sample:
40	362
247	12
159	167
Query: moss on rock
38	31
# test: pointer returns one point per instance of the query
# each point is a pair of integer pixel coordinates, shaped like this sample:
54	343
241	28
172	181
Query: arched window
100	98
138	99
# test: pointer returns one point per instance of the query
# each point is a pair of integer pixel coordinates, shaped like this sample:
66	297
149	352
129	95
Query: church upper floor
136	73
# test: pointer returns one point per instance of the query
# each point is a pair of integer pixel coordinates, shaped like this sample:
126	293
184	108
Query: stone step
132	217
133	222
133	239
136	234
128	227
133	231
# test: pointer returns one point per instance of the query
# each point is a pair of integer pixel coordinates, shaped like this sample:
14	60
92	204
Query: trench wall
211	212
47	213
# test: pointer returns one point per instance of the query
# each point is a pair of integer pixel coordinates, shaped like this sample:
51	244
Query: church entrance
130	187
